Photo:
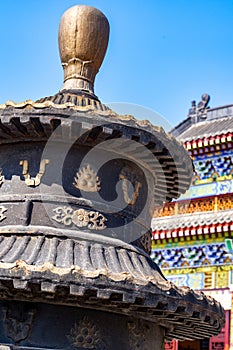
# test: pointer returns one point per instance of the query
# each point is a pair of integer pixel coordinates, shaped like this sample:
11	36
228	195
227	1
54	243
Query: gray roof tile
89	257
207	128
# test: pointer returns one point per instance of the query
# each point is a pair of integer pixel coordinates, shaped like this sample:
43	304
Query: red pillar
172	345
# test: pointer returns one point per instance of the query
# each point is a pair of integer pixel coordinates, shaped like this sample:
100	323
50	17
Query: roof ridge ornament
83	40
199	111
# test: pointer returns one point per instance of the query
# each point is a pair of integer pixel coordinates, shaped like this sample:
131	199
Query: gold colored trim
86	179
33	181
188	270
80	218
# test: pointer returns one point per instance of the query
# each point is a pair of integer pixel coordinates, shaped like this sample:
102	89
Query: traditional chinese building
192	236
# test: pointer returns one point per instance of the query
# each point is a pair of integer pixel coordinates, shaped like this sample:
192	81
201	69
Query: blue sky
162	53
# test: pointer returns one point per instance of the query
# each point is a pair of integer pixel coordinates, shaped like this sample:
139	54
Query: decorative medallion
85	335
2	211
86	179
18	322
1	178
128	176
80	218
33	181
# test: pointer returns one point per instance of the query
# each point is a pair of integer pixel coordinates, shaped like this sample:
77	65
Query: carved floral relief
85	334
86	179
80	218
18	323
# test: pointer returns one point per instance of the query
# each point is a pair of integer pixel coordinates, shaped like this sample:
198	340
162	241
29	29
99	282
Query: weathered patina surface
78	185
